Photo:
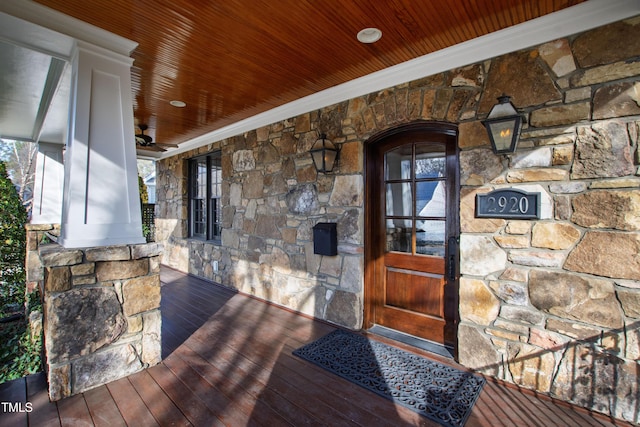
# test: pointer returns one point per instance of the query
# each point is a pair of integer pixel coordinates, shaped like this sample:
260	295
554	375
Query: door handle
452	248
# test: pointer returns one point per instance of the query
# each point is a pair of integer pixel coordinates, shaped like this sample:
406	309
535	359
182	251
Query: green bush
19	353
13	217
144	193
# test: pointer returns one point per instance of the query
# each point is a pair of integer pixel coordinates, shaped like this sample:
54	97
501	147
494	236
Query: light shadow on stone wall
589	374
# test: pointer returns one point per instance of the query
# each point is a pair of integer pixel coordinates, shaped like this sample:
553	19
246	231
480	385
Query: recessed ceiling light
369	35
177	103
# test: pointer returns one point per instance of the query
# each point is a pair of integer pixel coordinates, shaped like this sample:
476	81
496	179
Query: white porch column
101	204
47	191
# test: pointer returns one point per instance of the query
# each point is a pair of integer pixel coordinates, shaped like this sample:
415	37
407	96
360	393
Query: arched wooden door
411	222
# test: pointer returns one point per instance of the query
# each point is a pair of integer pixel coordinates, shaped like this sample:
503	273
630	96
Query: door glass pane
398	163
430	161
415	197
399	199
399	235
430	237
430	198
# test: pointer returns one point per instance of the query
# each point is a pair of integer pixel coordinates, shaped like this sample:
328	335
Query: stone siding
37	235
549	304
101	311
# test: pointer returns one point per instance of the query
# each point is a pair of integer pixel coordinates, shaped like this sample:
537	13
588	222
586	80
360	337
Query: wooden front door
412	231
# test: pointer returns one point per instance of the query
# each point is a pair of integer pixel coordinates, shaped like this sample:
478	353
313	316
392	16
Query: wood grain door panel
419	292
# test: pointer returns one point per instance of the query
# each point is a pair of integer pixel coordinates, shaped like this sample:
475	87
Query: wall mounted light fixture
503	125
324	154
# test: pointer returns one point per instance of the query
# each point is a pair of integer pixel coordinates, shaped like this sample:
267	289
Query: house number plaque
508	203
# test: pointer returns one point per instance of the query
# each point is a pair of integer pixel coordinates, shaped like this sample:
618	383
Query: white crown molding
49	19
573	20
18	32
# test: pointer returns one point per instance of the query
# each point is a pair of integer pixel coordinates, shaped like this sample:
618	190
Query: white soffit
58	26
25	34
573	20
37	43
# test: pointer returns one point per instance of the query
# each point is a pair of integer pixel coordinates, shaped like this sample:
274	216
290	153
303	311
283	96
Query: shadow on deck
227	362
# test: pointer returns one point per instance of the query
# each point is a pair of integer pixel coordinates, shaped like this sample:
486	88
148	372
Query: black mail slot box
325	239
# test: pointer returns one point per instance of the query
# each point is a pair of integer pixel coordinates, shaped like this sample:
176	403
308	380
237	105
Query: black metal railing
148	221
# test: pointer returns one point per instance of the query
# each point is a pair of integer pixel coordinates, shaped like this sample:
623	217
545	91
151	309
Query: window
205	193
415	179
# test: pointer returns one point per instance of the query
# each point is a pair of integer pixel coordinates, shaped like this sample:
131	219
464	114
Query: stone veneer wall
551	304
37	235
101	311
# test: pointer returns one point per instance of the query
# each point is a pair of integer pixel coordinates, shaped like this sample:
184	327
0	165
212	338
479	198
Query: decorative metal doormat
439	392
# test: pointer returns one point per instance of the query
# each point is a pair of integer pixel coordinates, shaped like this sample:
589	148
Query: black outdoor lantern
324	154
503	125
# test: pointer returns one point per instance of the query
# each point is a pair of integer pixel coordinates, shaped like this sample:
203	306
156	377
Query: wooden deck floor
228	362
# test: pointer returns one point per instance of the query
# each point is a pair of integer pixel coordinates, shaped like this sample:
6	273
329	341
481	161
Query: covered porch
227	361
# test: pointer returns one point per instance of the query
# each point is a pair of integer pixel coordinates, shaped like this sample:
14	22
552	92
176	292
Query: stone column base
101	314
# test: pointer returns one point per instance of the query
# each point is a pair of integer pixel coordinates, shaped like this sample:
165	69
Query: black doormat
439	392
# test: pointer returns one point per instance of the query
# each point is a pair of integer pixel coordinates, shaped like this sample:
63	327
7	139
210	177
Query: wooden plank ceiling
231	59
